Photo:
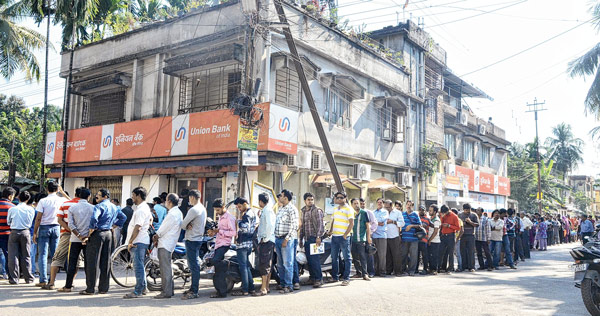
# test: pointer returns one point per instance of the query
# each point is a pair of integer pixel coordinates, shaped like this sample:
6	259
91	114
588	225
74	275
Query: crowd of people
395	239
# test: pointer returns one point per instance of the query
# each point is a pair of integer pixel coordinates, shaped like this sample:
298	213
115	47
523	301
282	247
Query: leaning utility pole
308	94
66	110
45	120
534	107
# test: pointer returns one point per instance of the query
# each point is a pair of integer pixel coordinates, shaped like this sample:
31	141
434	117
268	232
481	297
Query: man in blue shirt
99	243
587	228
19	219
409	249
380	238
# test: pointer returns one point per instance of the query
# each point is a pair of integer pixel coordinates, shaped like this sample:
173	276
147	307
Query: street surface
540	286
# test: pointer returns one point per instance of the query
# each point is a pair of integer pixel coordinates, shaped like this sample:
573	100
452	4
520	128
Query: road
540	286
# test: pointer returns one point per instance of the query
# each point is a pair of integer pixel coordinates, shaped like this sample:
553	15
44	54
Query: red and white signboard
283	130
480	181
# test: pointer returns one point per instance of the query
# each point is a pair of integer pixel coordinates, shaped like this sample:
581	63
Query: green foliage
429	162
564	148
25	125
582	201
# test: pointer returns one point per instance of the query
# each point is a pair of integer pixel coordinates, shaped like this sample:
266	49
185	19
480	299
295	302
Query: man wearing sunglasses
341	227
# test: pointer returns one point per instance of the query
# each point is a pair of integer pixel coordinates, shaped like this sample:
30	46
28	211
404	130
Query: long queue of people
392	240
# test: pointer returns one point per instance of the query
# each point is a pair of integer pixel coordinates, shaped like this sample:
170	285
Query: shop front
463	185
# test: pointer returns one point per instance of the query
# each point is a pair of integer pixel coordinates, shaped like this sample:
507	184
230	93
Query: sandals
84	292
217	295
259	293
189	295
239	293
64	290
286	290
131	295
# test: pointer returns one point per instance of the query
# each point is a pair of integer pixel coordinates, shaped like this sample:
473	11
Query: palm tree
565	149
17	43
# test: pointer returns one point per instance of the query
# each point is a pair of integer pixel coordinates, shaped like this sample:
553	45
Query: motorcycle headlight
596	261
301	258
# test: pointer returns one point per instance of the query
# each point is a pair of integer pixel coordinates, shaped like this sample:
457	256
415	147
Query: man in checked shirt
286	230
310	233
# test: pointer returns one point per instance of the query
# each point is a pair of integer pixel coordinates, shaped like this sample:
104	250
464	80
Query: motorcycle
587	272
326	261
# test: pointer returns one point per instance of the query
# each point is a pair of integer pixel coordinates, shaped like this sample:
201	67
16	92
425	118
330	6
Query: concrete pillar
126	189
137	89
71	184
157	185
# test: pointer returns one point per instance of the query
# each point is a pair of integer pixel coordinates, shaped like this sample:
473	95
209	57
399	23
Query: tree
18	43
582	201
565	149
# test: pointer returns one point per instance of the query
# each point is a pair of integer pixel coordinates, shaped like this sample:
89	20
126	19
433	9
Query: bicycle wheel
153	281
121	267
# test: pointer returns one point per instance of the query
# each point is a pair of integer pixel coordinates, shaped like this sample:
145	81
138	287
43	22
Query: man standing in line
266	243
423	253
497	231
311	231
47	228
286	230
19	219
8	194
128	211
342	223
361	237
246	227
394	222
433	240
373	227
482	241
380	238
587	228
525	233
518	248
138	239
409	248
467	243
62	251
166	239
99	243
194	224
508	226
79	216
225	232
160	211
450	225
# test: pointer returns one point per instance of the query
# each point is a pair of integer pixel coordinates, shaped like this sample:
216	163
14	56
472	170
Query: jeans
467	251
285	264
339	243
507	254
245	272
434	256
314	261
447	252
519	253
371	265
423	254
139	254
458	255
166	272
33	257
495	247
296	274
525	241
482	249
4	254
192	250
380	255
409	254
47	242
359	257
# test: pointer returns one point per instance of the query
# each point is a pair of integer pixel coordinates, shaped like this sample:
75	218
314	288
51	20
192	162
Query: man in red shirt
8	194
450	225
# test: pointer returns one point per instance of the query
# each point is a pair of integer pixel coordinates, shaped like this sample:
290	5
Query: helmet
371	249
301	258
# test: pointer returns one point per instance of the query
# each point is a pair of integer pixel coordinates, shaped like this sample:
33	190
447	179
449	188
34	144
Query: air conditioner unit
362	171
461	118
315	163
303	159
405	179
482	129
324	163
291	162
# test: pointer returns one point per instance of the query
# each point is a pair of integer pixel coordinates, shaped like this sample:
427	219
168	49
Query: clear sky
475	34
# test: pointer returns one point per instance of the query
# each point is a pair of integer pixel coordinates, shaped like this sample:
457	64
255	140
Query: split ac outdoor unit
482	129
461	118
324	163
291	162
405	179
362	171
315	163
303	159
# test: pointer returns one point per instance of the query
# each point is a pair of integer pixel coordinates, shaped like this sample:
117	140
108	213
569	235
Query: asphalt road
540	286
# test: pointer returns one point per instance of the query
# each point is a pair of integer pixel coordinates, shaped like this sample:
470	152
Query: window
288	91
103	109
210	89
484	156
391	124
450	144
337	107
432	110
468	150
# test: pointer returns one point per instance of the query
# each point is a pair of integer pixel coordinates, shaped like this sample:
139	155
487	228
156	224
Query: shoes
434	272
64	290
84	292
356	276
345	282
471	270
162	295
366	278
48	287
41	284
411	274
318	284
513	267
285	290
296	286
490	269
279	287
424	272
189	295
371	276
130	295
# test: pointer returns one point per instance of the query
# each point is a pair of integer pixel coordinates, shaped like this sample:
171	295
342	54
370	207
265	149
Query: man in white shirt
166	239
46	231
194	224
394	221
525	227
138	239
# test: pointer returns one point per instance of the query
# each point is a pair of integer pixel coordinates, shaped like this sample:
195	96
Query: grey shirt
468	228
79	216
197	216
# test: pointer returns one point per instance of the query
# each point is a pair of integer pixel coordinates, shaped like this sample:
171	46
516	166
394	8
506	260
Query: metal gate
113	184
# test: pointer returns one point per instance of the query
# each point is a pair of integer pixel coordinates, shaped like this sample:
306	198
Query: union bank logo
180	134
284	124
50	148
107	141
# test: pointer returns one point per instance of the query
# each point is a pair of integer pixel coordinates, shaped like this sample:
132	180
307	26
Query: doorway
213	189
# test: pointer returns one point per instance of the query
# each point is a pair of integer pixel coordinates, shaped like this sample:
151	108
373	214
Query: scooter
326	261
587	272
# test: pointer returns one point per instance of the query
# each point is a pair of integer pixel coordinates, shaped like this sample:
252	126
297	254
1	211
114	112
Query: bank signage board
478	181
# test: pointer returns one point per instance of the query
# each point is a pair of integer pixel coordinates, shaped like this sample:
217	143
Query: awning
102	83
347	83
453	82
327	180
442	153
397	102
384	184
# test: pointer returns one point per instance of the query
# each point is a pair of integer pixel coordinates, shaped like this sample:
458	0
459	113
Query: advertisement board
477	181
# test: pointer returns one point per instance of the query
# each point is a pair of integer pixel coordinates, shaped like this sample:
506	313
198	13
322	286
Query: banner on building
478	181
283	130
247	138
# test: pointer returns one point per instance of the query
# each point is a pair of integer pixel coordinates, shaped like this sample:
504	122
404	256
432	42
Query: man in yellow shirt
341	227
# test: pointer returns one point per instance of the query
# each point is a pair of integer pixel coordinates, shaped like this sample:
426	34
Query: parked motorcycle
587	272
326	262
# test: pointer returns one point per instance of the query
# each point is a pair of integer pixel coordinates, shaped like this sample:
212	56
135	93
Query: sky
514	50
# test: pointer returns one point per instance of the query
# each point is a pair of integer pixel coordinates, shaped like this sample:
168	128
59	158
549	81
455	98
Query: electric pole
536	107
45	120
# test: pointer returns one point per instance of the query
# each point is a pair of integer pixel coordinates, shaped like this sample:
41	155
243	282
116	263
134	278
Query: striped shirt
341	220
63	213
483	232
359	230
5	205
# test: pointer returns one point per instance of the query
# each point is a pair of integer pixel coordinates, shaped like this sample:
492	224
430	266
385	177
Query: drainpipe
267	75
